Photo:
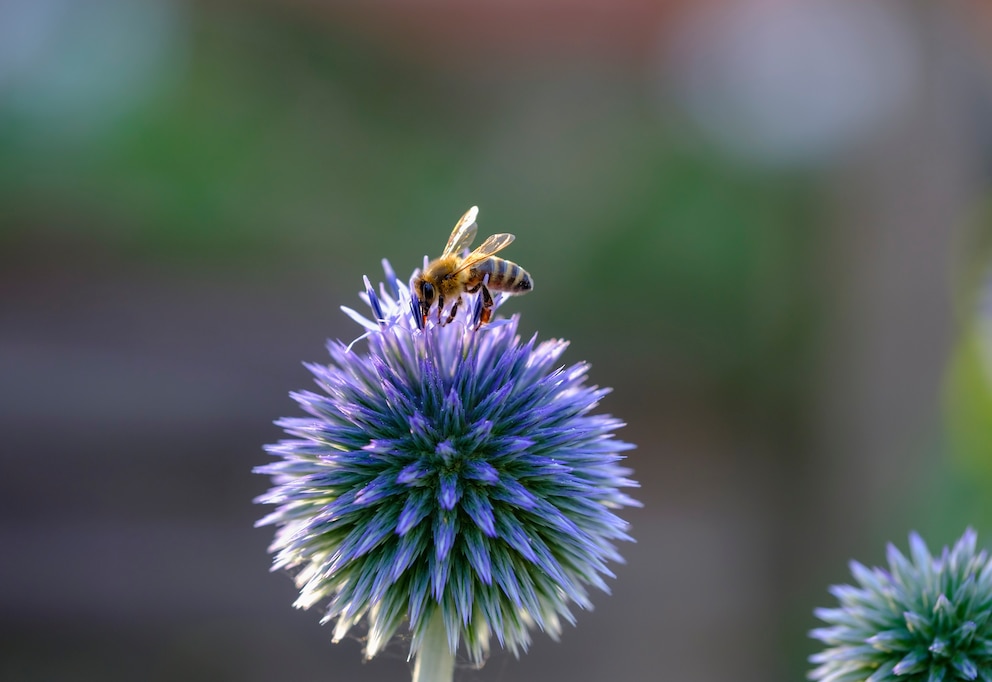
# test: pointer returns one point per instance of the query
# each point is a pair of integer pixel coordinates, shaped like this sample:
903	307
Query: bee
452	274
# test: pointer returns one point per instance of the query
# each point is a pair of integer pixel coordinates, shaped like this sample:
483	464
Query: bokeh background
765	222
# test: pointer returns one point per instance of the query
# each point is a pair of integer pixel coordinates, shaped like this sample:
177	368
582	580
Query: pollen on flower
451	469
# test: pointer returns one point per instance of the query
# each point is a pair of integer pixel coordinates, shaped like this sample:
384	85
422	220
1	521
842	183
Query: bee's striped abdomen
504	275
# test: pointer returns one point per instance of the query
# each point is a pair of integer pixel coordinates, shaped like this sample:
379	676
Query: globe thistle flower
451	478
923	619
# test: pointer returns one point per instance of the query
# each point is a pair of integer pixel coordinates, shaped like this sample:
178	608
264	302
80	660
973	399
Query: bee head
425	294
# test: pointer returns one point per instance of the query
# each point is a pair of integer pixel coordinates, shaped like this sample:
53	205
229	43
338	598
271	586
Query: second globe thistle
924	619
448	476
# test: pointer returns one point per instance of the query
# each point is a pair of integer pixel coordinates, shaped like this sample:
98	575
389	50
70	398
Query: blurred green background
766	224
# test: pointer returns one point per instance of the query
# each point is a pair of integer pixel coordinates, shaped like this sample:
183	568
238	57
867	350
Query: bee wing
463	234
492	245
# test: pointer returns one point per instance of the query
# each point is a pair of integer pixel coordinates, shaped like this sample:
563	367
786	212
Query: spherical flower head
451	469
924	619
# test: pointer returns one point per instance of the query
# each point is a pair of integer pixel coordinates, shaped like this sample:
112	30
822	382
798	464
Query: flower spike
450	478
924	618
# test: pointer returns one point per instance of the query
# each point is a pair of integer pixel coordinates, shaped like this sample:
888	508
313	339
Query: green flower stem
435	660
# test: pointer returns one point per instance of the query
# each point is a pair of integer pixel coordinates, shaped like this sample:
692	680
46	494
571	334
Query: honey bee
452	274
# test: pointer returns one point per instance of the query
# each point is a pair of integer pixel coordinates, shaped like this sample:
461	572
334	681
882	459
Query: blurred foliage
714	261
293	144
967	395
968	409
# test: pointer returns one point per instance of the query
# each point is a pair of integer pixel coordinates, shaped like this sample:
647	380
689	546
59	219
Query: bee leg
454	310
440	307
487	306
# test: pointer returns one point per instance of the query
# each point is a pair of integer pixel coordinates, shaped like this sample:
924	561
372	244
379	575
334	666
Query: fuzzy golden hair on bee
444	279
